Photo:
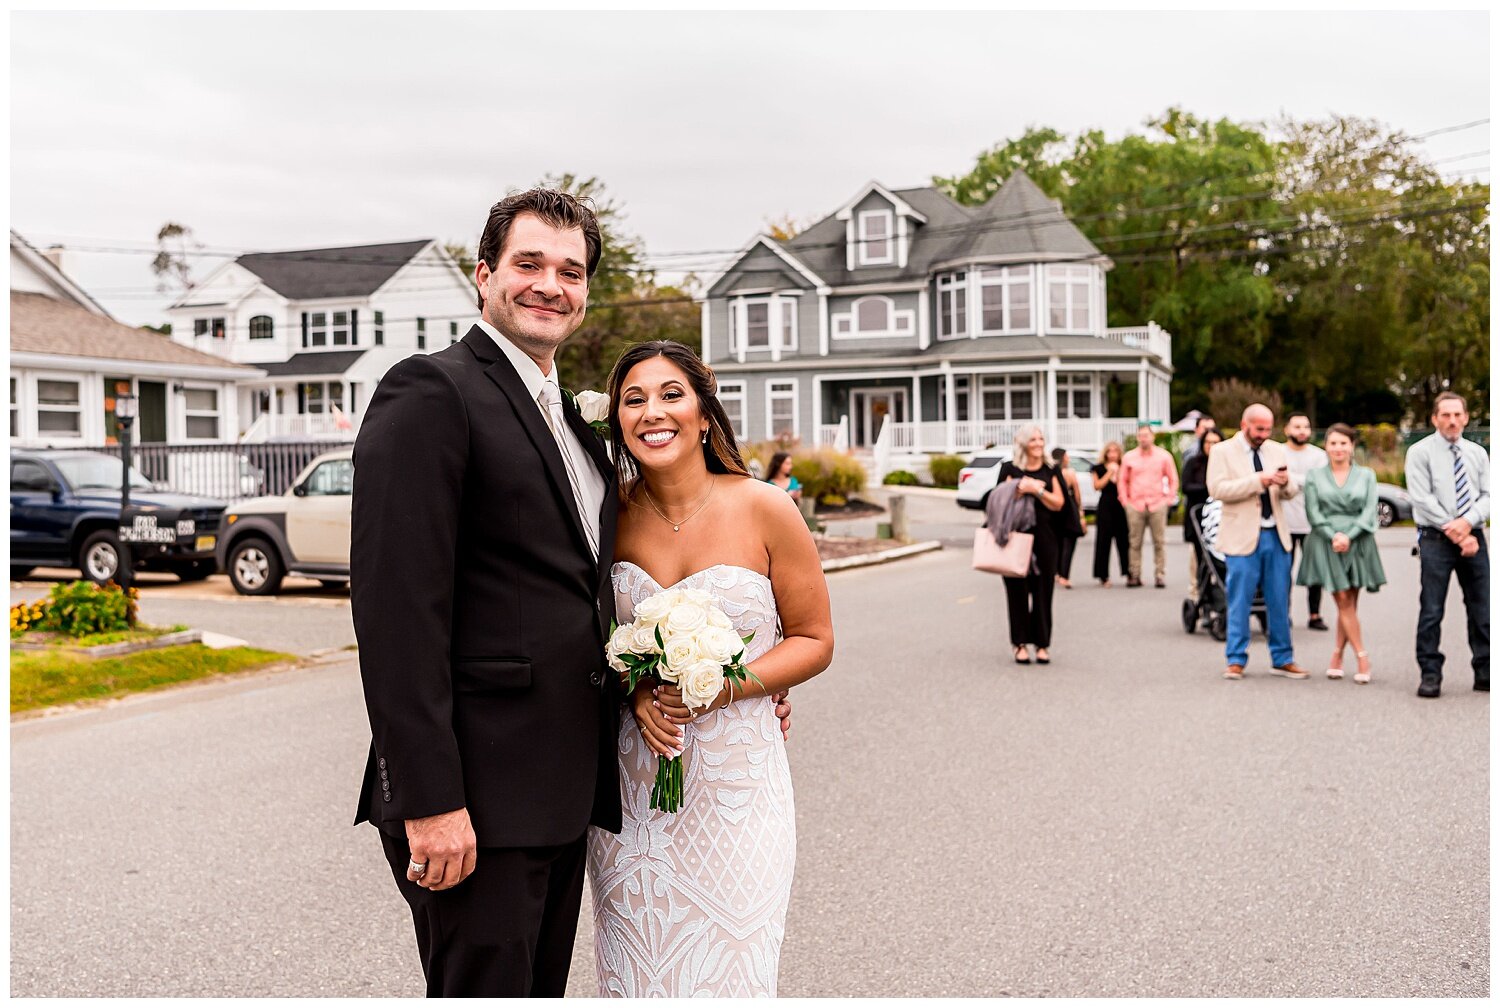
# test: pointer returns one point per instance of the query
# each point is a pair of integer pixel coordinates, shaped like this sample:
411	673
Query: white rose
654	609
681	651
616	664
717	618
700	683
696	596
592	406
685	618
719	645
643	639
623	640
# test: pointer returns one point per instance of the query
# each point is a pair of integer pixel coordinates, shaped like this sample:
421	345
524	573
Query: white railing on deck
1150	337
311	426
835	436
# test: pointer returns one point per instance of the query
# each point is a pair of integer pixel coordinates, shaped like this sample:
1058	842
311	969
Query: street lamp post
126	410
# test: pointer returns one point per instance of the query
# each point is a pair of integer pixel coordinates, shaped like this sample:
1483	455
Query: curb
883	556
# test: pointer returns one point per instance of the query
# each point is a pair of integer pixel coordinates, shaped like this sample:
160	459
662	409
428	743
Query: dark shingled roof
352	271
1019	223
325	362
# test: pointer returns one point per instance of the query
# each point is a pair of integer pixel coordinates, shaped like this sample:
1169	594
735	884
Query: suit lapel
499	370
609	509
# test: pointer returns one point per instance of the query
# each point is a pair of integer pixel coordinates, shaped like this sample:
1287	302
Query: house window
875	315
763	322
380	328
421	333
15	411
1005	299
1007	397
1075	397
781	409
206	326
953	303
732	395
875	227
340	328
452	333
201	406
1069	295
320	397
59	407
317	329
262	327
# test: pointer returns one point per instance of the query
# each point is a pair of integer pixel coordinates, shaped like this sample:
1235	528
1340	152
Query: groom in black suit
483	527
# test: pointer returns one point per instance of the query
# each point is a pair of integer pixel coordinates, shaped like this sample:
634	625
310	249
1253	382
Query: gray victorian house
907	325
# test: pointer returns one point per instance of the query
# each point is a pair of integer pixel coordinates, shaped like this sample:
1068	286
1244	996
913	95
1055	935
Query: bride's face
659	415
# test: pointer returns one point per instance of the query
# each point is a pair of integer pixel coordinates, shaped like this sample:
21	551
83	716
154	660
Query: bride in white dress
694	903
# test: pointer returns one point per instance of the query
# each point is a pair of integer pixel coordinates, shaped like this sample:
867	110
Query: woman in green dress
1341	554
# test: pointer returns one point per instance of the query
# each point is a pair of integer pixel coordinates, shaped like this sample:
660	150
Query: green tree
171	264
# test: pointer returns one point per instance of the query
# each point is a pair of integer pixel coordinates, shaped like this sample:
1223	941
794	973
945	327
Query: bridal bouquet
682	637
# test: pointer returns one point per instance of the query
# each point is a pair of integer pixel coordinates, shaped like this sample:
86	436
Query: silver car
978	478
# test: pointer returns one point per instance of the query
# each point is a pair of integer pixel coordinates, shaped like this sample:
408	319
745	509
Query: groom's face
538	291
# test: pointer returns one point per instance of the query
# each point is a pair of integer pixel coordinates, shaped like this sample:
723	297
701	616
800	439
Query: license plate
204	544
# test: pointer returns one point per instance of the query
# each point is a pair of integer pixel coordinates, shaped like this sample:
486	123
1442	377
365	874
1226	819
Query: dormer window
1070	297
876	228
763	323
874	315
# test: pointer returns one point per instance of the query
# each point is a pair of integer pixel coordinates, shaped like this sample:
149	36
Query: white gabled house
907	322
69	358
324	325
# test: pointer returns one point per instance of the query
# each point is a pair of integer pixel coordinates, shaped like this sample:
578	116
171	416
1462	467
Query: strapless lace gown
694	903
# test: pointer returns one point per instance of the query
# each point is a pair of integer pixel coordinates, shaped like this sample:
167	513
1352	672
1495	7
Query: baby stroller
1210	608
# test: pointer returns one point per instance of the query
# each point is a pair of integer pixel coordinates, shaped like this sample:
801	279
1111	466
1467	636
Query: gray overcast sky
265	131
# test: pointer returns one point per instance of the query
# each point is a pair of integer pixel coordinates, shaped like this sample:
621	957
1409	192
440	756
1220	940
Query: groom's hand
446	844
784	711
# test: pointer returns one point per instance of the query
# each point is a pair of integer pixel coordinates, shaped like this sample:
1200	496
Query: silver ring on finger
416	867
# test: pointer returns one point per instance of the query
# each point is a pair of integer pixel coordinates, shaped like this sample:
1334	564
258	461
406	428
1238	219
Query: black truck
65	512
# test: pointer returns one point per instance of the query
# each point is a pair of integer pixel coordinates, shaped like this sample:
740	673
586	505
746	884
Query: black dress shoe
1429	688
1316	623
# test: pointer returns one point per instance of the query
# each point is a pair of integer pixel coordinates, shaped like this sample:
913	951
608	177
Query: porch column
1142	396
916	413
950	398
1049	409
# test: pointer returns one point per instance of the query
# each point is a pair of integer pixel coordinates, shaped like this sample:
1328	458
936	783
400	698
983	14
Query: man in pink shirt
1148	486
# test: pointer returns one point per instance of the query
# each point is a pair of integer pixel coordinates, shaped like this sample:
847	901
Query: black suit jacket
480	612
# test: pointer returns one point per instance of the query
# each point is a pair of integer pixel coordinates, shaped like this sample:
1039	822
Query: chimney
55	254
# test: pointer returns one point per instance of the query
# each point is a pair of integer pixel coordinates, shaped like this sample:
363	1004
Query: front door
151	428
872	408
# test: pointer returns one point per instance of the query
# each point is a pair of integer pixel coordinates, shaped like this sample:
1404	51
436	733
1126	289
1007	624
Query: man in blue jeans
1248	475
1448	479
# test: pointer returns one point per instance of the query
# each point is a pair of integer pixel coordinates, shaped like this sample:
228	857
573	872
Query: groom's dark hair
558	209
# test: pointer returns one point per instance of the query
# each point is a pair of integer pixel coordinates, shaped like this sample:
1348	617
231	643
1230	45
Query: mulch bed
836	547
854	509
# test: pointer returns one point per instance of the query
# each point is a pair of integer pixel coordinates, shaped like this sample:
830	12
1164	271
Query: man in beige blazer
1248	475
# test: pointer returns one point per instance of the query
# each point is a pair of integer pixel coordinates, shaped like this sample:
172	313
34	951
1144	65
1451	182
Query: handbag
1012	560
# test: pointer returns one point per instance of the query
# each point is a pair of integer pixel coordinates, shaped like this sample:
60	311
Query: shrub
945	469
826	473
900	477
1227	399
77	609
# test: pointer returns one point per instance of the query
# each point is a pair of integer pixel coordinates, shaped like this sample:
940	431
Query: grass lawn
45	678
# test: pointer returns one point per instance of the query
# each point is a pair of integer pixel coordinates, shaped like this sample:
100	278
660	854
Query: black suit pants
505	931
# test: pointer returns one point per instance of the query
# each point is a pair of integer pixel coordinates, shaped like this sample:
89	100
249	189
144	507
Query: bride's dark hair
720	452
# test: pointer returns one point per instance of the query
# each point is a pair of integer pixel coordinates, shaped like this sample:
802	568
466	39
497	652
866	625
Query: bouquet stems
666	795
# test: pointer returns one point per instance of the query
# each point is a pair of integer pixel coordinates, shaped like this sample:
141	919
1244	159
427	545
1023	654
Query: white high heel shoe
1362	677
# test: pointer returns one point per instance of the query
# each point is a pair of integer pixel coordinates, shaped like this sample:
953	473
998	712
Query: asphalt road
1121	822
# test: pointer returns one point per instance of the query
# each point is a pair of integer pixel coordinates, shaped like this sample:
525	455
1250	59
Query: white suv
305	531
978	478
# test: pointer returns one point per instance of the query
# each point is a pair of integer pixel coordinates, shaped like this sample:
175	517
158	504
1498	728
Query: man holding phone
1248	475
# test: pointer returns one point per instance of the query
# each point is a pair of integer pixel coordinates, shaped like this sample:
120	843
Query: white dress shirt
1268	521
588	484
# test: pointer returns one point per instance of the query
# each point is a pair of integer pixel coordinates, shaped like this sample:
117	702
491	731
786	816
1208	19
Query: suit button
382	762
382	775
385	785
387	796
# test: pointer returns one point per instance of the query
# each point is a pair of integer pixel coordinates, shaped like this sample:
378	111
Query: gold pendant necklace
677	526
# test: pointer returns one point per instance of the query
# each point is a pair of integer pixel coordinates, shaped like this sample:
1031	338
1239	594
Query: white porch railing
308	426
969	436
835	436
1150	337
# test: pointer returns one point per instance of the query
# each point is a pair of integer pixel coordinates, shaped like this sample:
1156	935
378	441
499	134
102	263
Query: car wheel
193	570
254	568
17	573
1385	512
1217	627
99	557
1189	615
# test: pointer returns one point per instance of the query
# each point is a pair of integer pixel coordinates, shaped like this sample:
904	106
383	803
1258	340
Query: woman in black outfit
1109	513
1195	491
1029	599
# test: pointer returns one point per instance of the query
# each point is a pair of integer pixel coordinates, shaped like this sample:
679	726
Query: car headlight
231	519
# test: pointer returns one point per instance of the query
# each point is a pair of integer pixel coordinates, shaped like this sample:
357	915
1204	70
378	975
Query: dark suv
65	512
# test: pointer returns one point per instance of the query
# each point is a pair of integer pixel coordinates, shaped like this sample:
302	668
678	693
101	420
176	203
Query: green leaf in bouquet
660	642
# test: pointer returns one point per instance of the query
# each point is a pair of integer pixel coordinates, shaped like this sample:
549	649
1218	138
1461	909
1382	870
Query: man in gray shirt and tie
1448	479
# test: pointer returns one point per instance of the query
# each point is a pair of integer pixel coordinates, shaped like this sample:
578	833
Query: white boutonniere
593	407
